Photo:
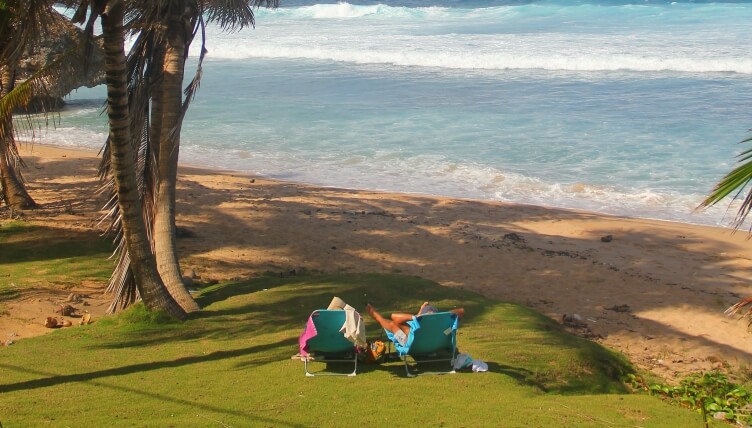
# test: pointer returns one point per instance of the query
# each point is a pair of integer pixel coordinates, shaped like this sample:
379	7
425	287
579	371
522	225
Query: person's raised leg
401	317
387	324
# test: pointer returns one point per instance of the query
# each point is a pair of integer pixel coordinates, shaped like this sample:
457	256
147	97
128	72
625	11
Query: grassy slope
230	364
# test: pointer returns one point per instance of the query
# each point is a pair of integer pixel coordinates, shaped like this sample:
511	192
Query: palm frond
737	308
35	85
233	15
735	183
28	21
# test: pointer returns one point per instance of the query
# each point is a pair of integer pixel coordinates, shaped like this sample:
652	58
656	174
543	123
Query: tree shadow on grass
32	243
93	378
53	380
530	348
273	305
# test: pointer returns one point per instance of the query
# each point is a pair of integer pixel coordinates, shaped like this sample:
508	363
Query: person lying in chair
401	324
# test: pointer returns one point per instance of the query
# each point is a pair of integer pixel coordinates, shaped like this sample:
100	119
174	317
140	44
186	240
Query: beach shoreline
654	290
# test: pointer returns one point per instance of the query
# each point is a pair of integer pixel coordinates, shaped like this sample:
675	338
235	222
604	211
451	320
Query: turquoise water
628	108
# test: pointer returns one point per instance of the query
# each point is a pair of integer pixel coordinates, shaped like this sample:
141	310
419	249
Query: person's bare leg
401	317
390	325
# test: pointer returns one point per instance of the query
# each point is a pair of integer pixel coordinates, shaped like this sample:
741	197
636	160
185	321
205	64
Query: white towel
479	366
354	328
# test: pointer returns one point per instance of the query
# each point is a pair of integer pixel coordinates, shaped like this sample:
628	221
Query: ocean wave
459	59
344	10
705	38
486	10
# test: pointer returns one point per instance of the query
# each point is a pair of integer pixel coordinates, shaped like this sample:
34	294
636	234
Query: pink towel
308	333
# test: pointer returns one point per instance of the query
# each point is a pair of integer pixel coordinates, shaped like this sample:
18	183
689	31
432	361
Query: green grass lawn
229	365
34	256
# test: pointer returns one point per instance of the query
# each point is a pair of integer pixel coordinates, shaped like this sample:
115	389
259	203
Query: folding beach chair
329	344
434	341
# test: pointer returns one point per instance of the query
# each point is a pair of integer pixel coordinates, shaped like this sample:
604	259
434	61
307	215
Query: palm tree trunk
123	158
11	182
165	245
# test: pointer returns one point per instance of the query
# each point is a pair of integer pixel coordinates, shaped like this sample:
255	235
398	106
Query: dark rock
607	238
514	237
619	308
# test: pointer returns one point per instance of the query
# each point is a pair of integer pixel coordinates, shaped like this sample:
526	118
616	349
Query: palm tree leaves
22	24
232	15
150	23
735	182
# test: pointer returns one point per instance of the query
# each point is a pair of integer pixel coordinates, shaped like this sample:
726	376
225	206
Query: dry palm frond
737	308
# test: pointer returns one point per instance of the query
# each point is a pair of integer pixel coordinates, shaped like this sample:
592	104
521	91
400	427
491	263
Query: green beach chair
329	344
434	342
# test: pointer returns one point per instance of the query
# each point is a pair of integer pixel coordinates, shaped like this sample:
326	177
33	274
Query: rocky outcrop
68	40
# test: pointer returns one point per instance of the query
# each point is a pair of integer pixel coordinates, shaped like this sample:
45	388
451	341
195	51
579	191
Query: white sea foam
429	174
458	58
554	37
73	137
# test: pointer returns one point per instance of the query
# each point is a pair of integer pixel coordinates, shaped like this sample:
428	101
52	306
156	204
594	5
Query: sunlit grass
229	365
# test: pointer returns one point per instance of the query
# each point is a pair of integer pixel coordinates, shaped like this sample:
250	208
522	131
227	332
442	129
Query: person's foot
370	309
420	311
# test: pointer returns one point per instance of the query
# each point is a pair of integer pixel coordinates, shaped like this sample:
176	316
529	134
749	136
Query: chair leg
413	374
407	368
354	372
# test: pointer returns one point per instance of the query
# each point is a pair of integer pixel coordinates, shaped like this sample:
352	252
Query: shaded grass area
229	365
34	256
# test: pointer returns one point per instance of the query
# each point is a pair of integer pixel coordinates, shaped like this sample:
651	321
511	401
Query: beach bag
374	352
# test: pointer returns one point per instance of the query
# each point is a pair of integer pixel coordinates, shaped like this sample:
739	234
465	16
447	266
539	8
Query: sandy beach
653	290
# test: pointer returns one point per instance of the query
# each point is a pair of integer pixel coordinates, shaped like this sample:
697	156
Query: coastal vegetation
145	105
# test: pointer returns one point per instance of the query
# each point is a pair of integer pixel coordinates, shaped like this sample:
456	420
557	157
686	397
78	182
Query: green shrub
708	393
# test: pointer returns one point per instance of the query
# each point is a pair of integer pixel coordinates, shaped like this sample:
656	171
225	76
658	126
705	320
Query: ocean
631	108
